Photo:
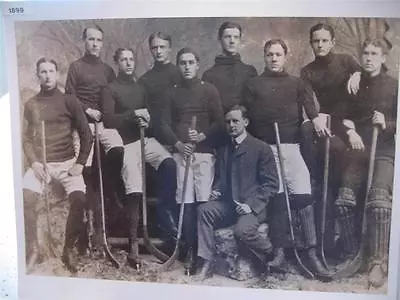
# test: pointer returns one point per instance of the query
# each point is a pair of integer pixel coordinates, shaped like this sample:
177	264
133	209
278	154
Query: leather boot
378	214
279	262
73	230
133	205
308	226
166	207
206	270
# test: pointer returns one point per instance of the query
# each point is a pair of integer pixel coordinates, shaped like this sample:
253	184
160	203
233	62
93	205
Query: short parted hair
118	52
382	43
160	35
271	42
186	50
240	107
227	25
97	27
44	60
324	26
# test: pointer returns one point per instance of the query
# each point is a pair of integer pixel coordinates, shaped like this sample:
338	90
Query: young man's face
47	75
235	123
188	65
322	42
126	62
160	50
230	41
93	41
372	59
275	58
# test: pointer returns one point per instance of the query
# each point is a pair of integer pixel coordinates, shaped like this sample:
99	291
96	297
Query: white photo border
40	287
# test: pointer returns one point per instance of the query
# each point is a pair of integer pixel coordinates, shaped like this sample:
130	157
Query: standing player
275	96
192	97
61	115
229	73
374	105
85	79
327	77
155	82
124	109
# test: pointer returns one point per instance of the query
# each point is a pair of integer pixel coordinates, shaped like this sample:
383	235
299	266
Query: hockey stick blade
165	266
51	243
325	194
109	255
305	270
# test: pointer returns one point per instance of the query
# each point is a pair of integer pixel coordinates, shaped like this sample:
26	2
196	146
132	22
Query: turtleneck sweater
327	77
228	75
376	93
156	81
277	97
61	113
185	100
119	100
86	76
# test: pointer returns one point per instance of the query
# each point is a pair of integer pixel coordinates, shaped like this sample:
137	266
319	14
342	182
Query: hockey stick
308	273
352	267
325	192
147	242
46	200
174	256
103	219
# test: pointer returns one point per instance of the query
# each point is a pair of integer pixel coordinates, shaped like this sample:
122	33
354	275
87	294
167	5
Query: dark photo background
61	40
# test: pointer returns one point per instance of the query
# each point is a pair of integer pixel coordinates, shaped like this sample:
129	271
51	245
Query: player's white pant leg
296	172
70	183
131	168
299	181
77	145
109	137
278	166
203	175
155	152
31	182
180	165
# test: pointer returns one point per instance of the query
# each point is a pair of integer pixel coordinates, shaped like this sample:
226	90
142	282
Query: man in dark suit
245	179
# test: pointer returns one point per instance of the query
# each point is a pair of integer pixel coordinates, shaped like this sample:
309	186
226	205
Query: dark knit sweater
86	76
191	98
277	97
61	114
327	77
376	93
119	100
229	75
155	83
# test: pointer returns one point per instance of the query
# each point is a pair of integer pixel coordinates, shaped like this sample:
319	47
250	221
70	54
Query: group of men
235	175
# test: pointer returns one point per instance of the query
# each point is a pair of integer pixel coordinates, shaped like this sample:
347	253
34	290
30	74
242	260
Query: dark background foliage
61	40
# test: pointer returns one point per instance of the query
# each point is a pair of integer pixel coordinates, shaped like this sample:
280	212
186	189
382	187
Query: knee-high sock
166	207
74	226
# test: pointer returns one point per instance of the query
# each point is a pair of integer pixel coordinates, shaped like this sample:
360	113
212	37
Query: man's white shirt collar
239	139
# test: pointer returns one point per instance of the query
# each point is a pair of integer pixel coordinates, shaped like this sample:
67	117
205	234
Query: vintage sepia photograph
247	152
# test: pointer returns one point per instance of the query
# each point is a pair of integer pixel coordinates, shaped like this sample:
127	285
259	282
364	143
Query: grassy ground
100	268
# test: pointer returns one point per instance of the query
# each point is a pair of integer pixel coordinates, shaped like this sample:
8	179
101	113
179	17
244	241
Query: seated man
374	105
245	179
124	109
61	115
